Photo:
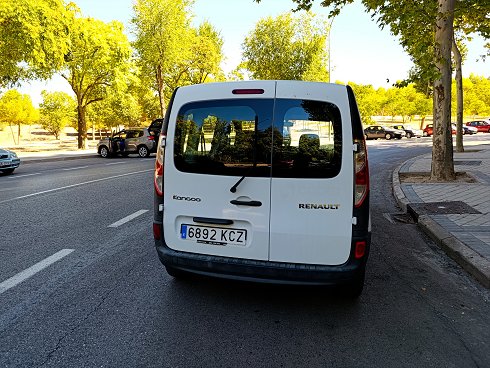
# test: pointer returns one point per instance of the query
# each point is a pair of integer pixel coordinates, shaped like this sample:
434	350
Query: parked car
469	130
409	131
8	161
234	199
378	131
428	130
480	125
142	141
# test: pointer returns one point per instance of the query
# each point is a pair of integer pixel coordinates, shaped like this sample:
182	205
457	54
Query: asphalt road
81	286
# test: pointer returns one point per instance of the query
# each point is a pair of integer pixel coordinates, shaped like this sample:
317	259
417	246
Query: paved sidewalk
46	156
455	215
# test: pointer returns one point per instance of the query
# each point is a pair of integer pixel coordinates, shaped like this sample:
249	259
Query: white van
265	181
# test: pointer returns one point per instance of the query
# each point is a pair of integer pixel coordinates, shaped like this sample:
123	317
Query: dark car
480	125
8	161
409	131
378	131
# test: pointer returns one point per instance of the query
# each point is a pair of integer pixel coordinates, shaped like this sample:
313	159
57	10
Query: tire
143	151
175	273
104	152
366	136
352	289
409	135
426	134
388	136
8	171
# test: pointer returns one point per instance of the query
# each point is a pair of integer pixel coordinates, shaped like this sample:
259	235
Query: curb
472	262
467	258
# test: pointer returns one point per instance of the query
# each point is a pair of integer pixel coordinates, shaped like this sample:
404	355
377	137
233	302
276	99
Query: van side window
307	139
228	137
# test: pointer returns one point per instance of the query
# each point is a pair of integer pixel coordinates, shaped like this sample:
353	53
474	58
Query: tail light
151	137
361	173
158	179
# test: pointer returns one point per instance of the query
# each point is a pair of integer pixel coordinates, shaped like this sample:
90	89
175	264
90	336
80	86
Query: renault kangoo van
265	181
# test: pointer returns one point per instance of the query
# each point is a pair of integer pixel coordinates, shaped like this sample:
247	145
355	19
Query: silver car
141	141
8	161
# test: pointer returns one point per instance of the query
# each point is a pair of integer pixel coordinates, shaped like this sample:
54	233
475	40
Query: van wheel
143	151
409	135
104	152
178	274
352	289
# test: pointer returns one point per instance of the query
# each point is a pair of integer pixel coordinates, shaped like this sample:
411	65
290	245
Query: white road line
23	176
128	218
31	271
75	168
74	185
115	163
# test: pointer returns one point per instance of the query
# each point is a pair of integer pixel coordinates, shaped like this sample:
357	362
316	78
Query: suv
265	181
142	141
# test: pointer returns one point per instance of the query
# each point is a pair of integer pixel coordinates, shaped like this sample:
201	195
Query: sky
360	51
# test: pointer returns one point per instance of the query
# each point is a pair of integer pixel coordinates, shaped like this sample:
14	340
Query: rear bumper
263	271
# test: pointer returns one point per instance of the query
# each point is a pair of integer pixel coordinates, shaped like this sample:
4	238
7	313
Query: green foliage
287	48
206	55
34	38
477	96
163	42
57	111
99	53
121	107
17	109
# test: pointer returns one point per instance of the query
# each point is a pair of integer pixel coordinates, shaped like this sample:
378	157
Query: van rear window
240	137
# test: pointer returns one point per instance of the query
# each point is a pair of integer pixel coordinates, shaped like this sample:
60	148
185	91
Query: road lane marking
128	218
115	163
75	168
74	185
23	175
31	271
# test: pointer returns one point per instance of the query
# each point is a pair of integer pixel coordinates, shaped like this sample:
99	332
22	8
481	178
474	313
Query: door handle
246	203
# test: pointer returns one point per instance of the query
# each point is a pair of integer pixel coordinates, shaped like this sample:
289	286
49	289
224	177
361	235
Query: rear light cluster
361	173
158	181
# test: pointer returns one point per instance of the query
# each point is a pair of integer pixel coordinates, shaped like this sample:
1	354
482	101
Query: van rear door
312	175
217	135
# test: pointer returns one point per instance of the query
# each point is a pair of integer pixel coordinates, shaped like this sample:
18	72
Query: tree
121	107
287	48
206	55
34	38
163	42
412	21
57	110
99	51
17	109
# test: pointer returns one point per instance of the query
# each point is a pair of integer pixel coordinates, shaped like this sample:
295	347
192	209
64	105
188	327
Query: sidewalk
455	215
61	155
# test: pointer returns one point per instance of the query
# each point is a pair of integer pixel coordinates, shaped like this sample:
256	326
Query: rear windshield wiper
254	158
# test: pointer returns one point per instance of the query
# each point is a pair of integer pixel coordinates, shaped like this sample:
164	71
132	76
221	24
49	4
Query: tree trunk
18	133
82	126
458	60
442	150
161	96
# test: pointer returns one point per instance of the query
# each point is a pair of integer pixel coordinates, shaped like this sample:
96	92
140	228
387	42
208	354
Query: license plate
4	163
213	235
